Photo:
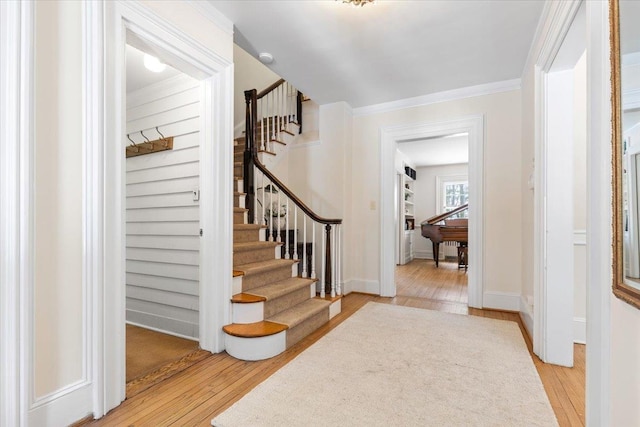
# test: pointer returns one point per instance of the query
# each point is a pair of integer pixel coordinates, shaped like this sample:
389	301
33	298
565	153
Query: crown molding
434	98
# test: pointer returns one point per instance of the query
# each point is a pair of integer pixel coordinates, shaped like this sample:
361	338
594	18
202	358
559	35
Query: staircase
275	301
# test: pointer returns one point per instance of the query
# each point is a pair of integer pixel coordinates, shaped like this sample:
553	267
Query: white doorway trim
17	31
107	28
389	137
543	309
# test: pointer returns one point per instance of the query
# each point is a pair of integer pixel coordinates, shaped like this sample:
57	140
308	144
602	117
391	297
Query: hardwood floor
194	396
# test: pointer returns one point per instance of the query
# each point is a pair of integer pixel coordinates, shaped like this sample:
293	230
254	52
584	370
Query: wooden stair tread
248	226
278	141
300	312
244	298
262	266
280	288
236	210
237	193
237	273
250	246
254	330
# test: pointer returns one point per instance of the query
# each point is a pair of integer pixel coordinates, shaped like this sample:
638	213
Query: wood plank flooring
194	396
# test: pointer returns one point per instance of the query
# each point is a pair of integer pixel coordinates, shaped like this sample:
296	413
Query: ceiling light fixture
153	64
265	58
357	3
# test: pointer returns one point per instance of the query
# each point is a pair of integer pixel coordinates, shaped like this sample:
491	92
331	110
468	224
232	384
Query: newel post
250	150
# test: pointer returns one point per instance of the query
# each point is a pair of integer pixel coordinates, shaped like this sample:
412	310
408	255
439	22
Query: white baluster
279	225
262	144
255	197
263	200
313	250
271	236
305	272
286	232
323	272
339	260
333	262
295	235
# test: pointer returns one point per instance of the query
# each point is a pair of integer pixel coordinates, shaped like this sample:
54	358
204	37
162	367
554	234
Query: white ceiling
138	76
388	51
449	150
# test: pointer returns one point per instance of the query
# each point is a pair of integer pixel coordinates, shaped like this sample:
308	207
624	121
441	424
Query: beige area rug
399	366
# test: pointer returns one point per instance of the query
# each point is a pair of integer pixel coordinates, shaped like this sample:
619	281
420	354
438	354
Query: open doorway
473	127
162	219
433	183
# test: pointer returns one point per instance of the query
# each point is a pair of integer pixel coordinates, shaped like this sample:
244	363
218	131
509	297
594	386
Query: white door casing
389	136
107	28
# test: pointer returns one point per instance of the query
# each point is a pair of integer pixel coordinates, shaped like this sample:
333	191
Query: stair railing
272	204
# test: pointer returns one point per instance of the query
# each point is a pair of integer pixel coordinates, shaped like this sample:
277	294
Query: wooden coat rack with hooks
148	147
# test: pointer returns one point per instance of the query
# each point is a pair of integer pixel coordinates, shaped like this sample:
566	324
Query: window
453	192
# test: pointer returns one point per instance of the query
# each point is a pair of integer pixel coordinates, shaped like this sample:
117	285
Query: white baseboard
526	314
501	301
422	254
63	407
579	330
361	285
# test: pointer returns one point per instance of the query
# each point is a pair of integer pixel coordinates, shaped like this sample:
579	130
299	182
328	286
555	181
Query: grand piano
441	229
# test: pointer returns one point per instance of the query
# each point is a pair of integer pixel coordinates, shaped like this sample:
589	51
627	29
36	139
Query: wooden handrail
306	209
270	88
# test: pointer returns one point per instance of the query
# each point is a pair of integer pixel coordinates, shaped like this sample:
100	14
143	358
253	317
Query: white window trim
441	180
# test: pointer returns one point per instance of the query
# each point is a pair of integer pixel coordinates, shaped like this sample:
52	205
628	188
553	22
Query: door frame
389	137
106	29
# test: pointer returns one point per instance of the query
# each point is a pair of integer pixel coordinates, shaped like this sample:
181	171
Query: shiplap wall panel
188	302
163	220
190	213
165	158
166	103
183	228
181	328
164	255
160	200
189	287
162	174
178	185
175	115
163	310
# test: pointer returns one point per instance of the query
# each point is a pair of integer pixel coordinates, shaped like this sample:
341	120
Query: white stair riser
236	285
248	312
263	235
240	188
259	348
241	201
335	308
312	290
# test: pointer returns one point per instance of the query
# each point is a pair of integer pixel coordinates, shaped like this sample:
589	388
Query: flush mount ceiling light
265	58
357	3
153	64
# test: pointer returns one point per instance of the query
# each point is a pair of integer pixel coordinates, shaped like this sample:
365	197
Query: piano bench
462	256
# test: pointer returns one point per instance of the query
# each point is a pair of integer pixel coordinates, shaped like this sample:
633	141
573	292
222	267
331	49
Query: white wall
502	192
163	220
248	73
320	173
58	305
425	197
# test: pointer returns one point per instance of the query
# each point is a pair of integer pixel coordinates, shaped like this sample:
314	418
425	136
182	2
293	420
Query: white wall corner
361	285
501	300
526	314
579	330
